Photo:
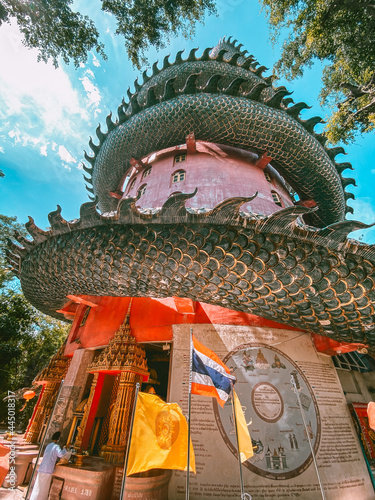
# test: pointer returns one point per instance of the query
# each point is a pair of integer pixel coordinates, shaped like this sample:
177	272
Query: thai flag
209	375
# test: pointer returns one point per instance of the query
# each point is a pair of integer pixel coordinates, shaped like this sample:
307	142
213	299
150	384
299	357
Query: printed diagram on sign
279	436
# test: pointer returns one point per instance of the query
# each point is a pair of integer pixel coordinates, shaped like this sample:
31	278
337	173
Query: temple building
214	206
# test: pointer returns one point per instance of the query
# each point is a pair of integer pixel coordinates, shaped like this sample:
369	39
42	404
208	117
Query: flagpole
244	496
294	384
189	412
137	387
43	441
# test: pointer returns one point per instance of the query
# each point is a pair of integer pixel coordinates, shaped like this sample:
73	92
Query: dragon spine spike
121	114
137	87
233	61
35	232
110	124
276	99
205	55
228	210
179	59
14	261
135	107
191	56
145	76
340	167
287	100
100	134
332	152
349	209
94	147
322	138
155	69
220	56
339	231
151	99
124	207
90	190
349	195
256	91
91	197
87	179
270	79
296	109
57	222
190	86
247	62
175	204
260	71
88	211
286	218
23	241
15	250
234	86
90	159
169	90
211	86
348	180
88	170
311	123
166	63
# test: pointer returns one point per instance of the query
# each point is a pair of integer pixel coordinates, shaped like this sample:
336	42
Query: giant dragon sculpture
296	266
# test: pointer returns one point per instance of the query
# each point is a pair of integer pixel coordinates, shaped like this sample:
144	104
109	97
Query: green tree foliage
150	22
56	30
341	34
28	338
53	28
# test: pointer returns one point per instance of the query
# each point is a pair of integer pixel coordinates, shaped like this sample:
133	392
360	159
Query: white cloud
66	156
15	134
92	92
28	87
89	72
1	149
43	150
95	61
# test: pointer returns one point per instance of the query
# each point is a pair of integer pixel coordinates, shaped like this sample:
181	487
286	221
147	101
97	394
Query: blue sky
48	114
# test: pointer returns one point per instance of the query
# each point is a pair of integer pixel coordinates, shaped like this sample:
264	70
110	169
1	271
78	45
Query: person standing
43	481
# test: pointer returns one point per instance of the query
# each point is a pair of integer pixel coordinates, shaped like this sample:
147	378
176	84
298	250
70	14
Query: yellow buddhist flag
160	436
244	439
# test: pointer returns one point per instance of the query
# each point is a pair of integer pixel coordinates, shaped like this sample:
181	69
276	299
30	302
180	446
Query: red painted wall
150	320
218	172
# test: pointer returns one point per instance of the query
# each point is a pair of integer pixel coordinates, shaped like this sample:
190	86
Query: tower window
132	183
179	158
146	173
179	176
267	176
142	190
276	198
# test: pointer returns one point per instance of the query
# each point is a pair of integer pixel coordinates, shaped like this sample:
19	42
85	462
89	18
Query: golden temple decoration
56	368
122	354
126	359
82	427
50	377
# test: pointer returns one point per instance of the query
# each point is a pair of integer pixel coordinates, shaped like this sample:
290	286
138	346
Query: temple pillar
71	393
114	450
50	377
82	427
126	360
42	413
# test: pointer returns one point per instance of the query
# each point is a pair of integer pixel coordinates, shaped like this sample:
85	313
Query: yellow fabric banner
159	439
244	439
